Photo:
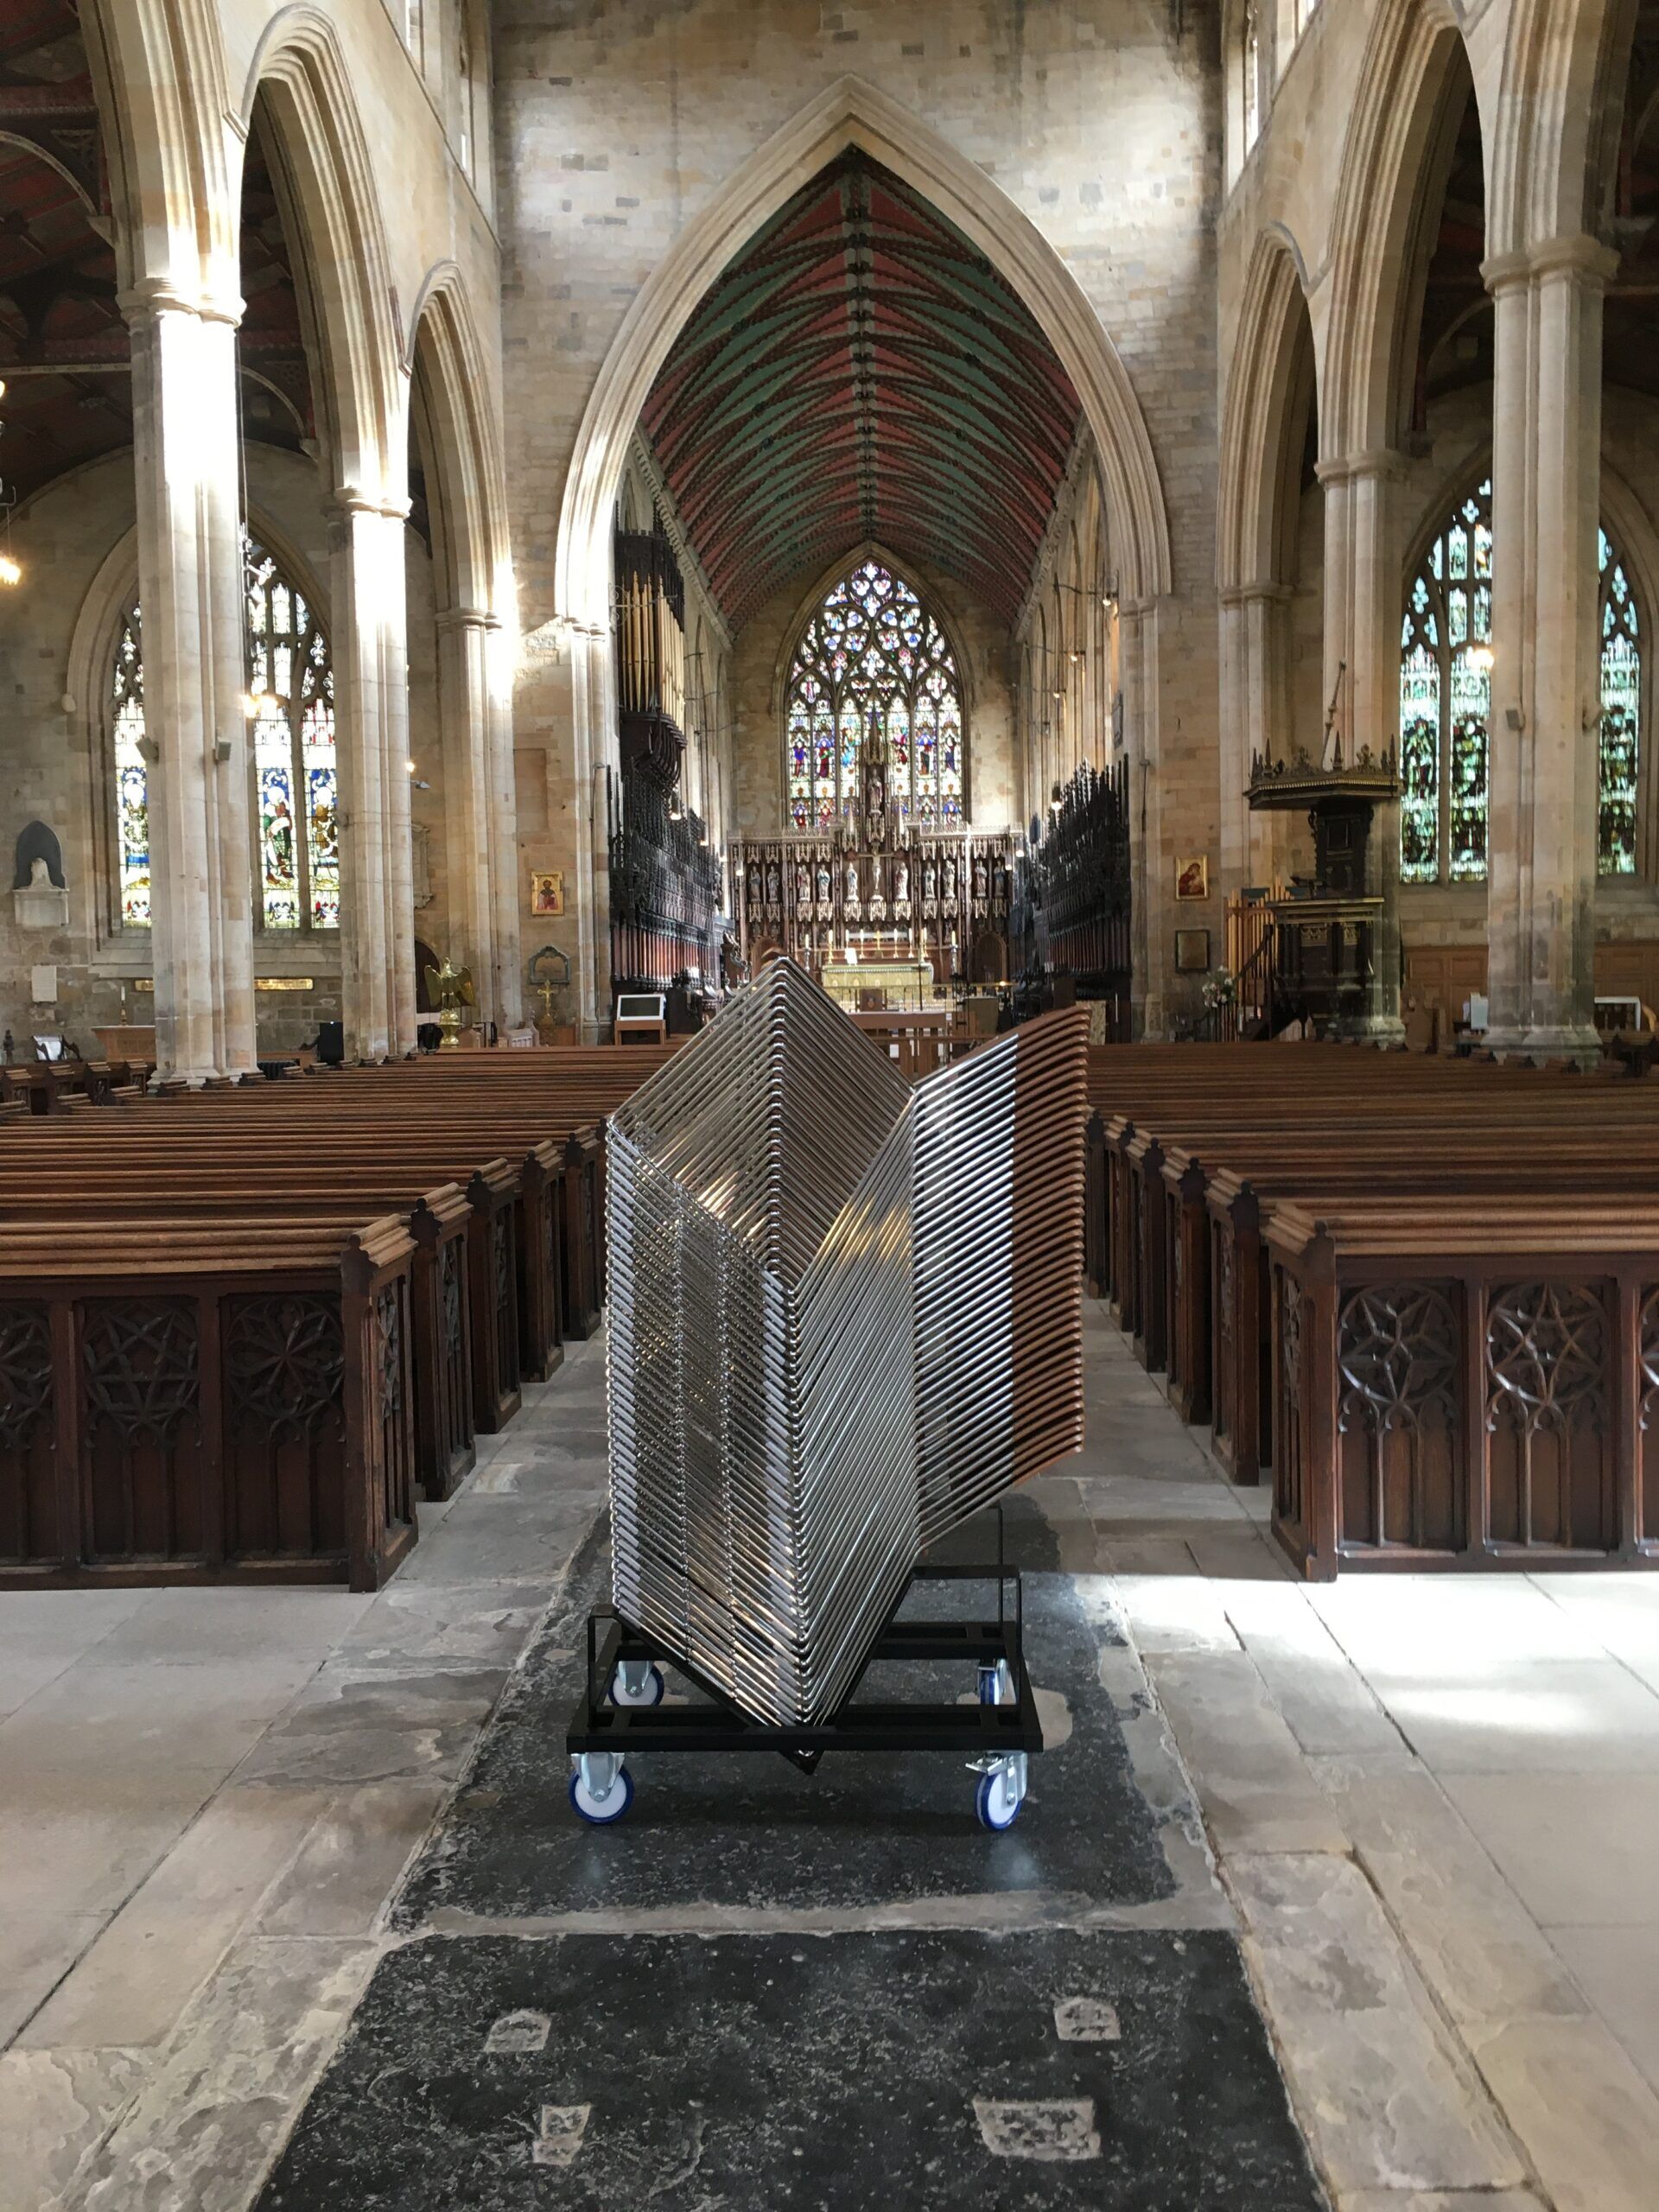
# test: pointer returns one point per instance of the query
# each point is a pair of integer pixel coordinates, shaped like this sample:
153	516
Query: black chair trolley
621	1711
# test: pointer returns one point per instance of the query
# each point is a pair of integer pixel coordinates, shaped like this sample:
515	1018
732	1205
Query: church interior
879	783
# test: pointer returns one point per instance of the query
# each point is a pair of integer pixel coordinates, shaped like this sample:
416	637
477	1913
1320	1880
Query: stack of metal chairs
844	1316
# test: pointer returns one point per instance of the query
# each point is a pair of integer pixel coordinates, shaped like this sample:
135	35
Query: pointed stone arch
1559	105
171	143
1274	356
1400	136
853	113
450	401
318	149
444	348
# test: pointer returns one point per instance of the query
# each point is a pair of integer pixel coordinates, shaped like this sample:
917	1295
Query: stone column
508	882
464	717
1544	752
371	704
1255	719
1152	866
185	473
1363	602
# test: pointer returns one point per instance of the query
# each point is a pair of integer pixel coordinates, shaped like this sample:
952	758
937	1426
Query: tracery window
1252	74
1621	717
291	732
1445	683
873	667
1445	706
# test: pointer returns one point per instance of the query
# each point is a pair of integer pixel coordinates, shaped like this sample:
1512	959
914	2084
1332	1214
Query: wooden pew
197	1402
1209	1151
498	1247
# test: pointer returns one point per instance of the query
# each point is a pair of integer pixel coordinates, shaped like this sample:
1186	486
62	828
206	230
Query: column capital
464	618
1255	595
1577	254
350	501
153	297
1381	462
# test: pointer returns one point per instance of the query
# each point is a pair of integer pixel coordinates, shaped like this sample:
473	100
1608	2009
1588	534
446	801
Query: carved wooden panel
285	1360
1401	1471
389	1336
504	1309
1224	1382
142	1445
1549	1415
455	1388
29	1519
1290	1492
389	1342
449	1295
285	1426
1647	1441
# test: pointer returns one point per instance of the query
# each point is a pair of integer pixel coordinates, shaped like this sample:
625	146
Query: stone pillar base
1570	1042
1385	1029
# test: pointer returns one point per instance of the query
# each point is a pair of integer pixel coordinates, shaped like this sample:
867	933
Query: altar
879	986
878	900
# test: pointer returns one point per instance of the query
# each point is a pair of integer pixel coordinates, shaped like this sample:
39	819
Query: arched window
1621	718
1445	683
873	667
1252	74
296	799
131	781
291	739
1446	705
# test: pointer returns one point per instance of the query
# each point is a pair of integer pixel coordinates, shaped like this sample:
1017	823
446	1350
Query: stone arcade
514	515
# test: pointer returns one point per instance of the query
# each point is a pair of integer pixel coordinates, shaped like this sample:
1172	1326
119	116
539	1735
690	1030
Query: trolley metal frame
995	1736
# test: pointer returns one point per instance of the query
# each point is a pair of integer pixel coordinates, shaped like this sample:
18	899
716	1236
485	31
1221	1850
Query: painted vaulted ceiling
861	371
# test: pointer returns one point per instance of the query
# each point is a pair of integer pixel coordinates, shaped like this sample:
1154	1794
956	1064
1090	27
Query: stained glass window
874	668
1621	718
1445	706
1445	689
291	686
291	739
131	781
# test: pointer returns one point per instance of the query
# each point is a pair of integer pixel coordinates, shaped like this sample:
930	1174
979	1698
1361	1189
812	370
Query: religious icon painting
547	892
1192	878
1192	952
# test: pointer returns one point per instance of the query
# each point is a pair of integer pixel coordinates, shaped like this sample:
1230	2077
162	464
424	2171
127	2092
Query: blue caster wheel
996	1684
637	1682
997	1800
600	1812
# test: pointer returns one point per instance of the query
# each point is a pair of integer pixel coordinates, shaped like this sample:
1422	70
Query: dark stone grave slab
750	1830
911	2071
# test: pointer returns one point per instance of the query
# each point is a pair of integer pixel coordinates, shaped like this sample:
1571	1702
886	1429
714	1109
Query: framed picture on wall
1192	952
1192	878
547	892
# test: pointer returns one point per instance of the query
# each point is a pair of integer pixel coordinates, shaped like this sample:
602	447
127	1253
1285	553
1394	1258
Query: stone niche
40	897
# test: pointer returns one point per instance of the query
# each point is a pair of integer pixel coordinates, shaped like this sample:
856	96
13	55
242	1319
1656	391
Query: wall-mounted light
249	705
1055	800
1482	657
9	571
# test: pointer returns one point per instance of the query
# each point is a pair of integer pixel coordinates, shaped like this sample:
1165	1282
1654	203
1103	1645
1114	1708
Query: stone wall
618	125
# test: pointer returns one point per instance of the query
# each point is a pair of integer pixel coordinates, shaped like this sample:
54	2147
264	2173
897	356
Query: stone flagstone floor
1413	1816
